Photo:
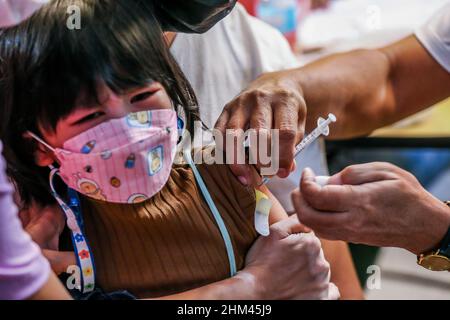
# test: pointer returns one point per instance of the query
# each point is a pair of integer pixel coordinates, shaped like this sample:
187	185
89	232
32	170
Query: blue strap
223	229
82	250
76	207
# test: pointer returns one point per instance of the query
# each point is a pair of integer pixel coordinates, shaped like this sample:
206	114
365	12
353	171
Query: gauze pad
263	206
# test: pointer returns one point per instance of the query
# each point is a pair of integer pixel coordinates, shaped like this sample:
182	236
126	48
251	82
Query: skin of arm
343	272
384	85
52	290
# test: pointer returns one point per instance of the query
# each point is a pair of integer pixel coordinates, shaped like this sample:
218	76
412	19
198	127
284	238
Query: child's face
111	106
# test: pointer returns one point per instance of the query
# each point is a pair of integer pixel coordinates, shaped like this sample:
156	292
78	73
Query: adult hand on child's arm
286	265
290	264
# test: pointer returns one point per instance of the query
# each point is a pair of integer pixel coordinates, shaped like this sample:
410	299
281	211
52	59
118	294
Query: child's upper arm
277	212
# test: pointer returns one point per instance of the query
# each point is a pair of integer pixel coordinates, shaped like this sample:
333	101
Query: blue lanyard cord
221	224
81	248
76	207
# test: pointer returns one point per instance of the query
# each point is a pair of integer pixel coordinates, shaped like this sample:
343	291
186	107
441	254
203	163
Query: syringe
323	129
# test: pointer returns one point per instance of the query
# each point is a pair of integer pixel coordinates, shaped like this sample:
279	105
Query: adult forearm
52	290
368	89
353	85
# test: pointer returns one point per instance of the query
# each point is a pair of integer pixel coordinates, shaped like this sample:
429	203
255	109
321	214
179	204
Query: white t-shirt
435	36
222	62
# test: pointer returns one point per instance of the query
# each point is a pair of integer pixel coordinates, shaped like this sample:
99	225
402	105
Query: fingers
222	122
286	121
270	104
261	116
325	224
261	124
335	198
364	173
249	109
287	227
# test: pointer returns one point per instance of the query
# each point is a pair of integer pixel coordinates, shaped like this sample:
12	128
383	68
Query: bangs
120	44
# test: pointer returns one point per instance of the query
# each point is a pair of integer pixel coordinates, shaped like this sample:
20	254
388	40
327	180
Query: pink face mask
125	160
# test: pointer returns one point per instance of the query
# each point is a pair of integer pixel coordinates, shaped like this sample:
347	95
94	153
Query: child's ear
42	156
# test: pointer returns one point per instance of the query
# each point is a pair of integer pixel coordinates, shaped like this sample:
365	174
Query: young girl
95	105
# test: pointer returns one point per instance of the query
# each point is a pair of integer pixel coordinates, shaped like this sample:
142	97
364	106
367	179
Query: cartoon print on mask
105	155
115	182
141	119
155	160
137	198
131	161
89	187
88	147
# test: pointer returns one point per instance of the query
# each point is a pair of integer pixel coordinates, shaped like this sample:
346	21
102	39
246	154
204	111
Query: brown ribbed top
171	243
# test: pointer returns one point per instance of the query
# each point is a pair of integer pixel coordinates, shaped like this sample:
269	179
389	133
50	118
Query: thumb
287	227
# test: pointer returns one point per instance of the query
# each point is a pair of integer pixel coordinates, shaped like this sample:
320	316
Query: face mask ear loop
81	247
41	141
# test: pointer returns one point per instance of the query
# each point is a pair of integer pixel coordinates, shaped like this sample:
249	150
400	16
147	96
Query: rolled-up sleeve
435	37
23	269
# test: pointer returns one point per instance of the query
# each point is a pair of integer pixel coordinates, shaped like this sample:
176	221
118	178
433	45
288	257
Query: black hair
45	65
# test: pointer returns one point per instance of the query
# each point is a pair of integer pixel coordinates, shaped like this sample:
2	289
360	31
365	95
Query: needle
323	128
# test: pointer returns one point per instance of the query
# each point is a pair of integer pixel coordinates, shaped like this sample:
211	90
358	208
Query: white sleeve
435	36
273	47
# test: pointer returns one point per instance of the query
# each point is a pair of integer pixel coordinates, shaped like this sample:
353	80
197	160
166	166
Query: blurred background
420	144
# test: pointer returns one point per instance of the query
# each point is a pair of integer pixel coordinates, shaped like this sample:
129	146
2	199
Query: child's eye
141	97
90	117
